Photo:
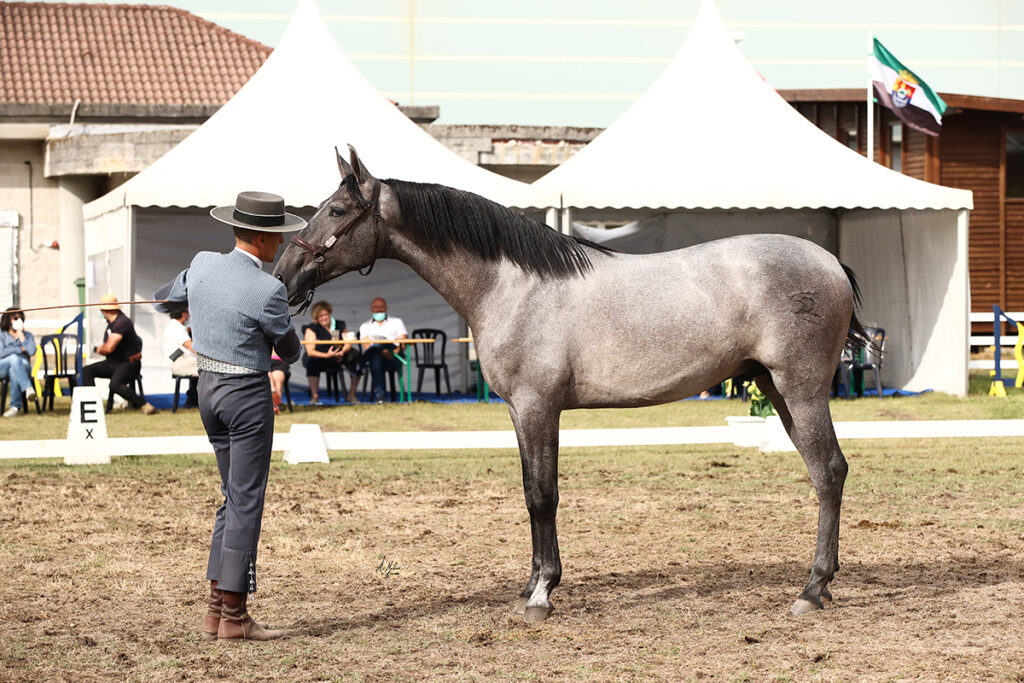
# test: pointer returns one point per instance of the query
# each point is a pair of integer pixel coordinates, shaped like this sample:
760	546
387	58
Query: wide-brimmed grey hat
261	211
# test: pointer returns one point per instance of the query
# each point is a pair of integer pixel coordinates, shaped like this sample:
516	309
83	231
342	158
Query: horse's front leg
537	430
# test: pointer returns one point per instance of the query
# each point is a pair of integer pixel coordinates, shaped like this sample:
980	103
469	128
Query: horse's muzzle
297	280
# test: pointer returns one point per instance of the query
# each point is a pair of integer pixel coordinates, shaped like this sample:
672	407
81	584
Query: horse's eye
337	212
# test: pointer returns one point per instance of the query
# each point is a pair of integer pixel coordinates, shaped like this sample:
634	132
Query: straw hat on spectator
108	302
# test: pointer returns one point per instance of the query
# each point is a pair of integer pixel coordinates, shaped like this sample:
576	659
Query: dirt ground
679	564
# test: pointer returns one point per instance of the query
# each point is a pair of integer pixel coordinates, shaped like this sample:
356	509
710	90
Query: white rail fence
1005	341
767	435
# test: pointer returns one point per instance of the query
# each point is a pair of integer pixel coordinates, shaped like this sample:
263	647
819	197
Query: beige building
89	95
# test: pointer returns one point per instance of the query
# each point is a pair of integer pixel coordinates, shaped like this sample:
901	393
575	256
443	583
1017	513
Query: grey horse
545	310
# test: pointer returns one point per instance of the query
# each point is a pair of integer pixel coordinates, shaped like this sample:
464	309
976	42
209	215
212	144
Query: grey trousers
239	418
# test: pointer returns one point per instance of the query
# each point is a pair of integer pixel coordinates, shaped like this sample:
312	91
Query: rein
319	254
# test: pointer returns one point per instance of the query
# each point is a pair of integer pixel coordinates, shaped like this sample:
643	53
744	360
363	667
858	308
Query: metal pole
996	325
871	101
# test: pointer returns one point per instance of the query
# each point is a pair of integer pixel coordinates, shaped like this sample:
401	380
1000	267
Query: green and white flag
899	89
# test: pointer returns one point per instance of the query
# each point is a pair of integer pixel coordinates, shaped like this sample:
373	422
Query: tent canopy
712	150
278	133
712	133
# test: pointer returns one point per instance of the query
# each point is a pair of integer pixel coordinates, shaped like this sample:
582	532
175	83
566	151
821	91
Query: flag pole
871	101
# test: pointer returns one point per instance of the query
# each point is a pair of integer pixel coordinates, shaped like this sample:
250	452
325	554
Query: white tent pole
551	218
871	98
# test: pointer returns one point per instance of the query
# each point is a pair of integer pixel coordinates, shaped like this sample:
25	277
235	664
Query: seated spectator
378	357
178	349
123	349
327	357
17	347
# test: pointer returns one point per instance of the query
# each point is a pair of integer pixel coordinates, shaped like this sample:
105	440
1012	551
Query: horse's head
345	234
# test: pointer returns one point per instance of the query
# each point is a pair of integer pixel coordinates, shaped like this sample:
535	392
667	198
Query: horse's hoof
802	606
537	613
520	606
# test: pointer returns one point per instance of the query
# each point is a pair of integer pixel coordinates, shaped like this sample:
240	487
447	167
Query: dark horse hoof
535	614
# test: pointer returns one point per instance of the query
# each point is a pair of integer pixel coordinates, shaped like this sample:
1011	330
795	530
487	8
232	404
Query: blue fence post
997	323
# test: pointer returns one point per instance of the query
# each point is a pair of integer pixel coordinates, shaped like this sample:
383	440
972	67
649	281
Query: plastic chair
870	358
5	385
60	353
177	389
287	393
335	383
431	357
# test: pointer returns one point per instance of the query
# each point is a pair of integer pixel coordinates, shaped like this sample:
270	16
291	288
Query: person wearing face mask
122	348
378	357
17	346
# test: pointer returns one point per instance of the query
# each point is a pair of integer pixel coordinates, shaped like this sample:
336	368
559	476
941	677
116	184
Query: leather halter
319	254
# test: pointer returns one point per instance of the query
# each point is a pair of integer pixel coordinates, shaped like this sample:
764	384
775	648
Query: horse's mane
443	219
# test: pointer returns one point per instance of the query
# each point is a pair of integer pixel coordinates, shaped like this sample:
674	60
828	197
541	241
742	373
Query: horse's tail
856	336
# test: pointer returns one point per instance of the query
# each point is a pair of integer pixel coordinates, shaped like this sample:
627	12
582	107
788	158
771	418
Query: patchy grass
679	562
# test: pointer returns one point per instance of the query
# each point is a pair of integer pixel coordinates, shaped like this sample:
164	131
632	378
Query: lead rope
305	304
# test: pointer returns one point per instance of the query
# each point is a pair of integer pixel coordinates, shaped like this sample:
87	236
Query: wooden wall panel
828	119
1014	255
970	160
914	144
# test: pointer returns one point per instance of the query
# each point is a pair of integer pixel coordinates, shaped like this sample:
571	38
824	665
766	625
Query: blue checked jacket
238	310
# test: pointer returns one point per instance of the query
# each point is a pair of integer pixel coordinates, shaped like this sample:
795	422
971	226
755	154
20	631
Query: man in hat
123	350
239	314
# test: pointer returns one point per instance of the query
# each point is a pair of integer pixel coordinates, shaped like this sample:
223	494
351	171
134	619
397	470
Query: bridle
319	254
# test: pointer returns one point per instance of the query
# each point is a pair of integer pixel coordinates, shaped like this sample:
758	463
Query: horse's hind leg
537	430
809	425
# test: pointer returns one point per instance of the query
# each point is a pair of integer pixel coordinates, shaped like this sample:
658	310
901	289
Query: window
850	136
896	147
1015	164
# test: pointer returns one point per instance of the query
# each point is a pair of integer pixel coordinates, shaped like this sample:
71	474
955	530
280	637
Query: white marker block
87	429
747	431
305	444
776	438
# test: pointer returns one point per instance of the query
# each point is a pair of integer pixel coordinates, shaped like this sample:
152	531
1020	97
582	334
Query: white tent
277	134
712	150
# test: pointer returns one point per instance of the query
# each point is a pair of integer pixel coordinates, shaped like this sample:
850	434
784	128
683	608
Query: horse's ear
358	167
342	164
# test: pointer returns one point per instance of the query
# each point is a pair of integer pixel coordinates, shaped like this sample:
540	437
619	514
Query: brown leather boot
212	623
236	624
